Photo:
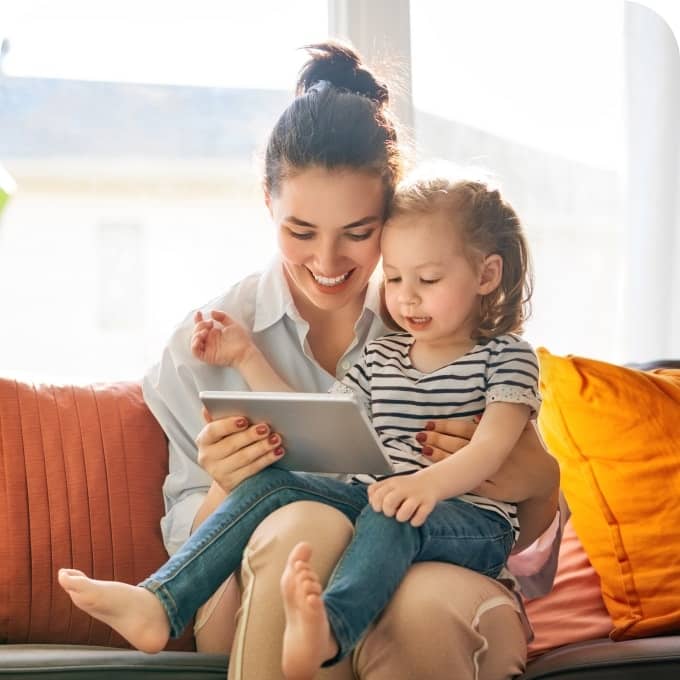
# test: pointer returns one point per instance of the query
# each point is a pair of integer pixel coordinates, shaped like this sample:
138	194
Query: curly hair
488	225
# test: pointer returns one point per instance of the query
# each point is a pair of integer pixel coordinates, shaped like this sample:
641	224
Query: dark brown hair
488	225
338	120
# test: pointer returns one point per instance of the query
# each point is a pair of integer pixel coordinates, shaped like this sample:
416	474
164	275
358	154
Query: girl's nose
407	296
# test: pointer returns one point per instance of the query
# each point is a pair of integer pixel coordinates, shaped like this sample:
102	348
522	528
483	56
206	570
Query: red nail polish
278	451
241	422
261	429
427	451
429	425
273	438
421	437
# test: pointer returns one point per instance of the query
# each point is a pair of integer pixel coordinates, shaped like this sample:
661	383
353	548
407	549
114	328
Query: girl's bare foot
307	640
132	611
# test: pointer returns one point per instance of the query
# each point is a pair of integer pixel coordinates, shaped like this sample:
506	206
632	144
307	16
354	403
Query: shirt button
344	365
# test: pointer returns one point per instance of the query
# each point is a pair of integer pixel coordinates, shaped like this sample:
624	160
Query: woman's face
329	226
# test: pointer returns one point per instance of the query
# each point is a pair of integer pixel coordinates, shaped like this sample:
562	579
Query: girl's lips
418	322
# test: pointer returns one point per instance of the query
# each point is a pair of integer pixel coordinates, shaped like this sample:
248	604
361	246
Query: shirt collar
274	300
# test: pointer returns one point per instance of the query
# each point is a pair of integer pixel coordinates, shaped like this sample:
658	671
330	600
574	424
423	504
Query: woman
331	165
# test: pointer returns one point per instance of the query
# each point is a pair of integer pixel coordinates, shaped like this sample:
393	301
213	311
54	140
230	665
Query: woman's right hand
231	450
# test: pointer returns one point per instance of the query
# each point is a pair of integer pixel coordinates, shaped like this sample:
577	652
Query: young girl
456	279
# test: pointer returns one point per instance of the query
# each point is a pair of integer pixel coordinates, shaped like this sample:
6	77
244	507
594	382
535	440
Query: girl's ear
490	274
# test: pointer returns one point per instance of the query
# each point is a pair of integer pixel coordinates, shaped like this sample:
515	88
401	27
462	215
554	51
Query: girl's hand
220	340
406	498
231	450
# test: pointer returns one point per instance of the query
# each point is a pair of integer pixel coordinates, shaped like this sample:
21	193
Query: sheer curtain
651	319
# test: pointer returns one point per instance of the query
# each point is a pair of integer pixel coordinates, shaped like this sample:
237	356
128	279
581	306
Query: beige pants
444	622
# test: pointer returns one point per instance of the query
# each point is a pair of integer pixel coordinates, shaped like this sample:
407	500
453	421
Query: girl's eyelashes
397	279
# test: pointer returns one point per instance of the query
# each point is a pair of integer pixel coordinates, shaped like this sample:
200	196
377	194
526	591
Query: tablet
322	432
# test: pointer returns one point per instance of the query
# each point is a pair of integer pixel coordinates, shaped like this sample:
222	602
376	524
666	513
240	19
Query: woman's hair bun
341	66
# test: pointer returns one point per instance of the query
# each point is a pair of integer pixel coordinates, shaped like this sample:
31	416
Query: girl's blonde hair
488	225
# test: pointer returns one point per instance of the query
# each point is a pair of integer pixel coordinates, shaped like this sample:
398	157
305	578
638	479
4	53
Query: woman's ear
490	274
268	200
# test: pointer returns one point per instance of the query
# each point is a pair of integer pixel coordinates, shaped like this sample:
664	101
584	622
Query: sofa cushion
573	611
81	471
616	434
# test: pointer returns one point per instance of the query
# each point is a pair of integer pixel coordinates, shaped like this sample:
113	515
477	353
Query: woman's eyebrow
369	219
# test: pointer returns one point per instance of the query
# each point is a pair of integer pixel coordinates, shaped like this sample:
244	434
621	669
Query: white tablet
321	432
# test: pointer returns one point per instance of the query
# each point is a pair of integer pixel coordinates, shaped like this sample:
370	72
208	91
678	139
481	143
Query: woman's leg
435	626
215	622
444	622
256	652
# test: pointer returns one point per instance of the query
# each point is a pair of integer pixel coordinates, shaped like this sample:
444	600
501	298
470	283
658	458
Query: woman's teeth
325	281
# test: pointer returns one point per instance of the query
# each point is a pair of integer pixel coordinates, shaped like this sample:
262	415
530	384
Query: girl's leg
383	549
192	574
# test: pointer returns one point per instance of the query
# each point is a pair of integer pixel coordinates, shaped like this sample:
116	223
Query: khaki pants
444	622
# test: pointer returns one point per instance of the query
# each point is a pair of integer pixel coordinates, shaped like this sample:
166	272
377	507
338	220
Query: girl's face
329	225
432	289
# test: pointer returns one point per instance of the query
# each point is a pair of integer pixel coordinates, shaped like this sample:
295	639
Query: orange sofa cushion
616	434
81	471
573	611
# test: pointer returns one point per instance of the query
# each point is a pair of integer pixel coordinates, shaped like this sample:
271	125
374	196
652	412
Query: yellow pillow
616	434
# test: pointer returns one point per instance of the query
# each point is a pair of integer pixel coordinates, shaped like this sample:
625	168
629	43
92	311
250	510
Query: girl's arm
493	440
220	340
259	374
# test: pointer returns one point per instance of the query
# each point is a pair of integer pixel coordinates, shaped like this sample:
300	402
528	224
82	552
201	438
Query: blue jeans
369	571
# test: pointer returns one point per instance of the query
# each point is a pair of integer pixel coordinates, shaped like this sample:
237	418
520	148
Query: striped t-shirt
400	399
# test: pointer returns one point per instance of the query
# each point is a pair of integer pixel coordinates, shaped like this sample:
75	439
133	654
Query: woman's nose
327	257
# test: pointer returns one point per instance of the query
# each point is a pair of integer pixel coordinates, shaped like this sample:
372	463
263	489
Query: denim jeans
369	571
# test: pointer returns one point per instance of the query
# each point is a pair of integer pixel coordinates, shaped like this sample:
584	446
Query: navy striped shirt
400	399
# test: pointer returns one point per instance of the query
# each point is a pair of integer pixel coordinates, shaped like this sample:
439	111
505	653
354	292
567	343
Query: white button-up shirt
263	303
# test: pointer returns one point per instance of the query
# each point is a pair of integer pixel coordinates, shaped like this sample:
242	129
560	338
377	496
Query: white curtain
651	295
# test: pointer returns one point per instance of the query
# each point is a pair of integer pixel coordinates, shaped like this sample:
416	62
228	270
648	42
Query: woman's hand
528	472
530	476
231	450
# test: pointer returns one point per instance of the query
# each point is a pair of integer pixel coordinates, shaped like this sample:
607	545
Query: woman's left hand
528	472
530	476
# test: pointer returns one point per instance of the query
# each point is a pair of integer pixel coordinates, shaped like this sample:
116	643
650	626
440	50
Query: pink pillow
573	611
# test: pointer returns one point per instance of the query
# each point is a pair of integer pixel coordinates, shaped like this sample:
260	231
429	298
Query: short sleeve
512	374
357	381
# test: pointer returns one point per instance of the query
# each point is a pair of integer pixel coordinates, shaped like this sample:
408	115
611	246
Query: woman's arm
483	456
528	472
529	476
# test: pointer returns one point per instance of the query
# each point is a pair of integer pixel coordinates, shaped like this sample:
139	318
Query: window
132	131
501	85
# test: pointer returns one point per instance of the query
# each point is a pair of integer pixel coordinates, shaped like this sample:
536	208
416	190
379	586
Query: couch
81	469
